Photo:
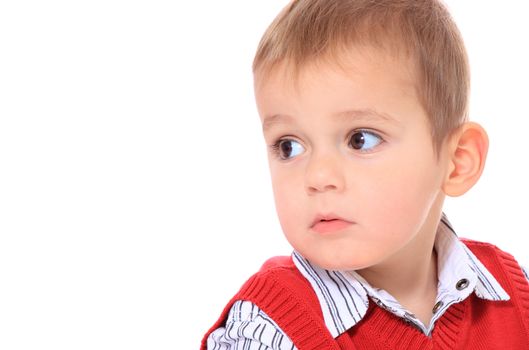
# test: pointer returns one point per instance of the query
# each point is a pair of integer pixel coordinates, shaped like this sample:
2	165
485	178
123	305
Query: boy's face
355	144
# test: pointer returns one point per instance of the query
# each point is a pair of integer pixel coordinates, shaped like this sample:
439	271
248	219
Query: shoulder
273	301
277	280
484	249
277	275
495	259
277	265
243	318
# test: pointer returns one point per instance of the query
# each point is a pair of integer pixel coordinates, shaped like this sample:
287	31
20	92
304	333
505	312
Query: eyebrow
356	114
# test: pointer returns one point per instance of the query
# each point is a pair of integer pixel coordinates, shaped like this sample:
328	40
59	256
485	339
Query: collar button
437	306
462	284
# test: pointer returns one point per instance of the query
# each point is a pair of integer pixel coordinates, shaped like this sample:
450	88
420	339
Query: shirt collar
344	295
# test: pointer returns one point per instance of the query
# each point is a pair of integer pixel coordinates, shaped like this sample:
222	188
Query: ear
467	153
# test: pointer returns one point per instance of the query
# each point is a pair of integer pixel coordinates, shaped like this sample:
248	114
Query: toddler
363	105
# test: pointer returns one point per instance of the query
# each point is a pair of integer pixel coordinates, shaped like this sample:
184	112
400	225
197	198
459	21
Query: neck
410	276
405	278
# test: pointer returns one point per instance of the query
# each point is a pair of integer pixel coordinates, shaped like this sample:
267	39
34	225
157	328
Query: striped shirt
344	297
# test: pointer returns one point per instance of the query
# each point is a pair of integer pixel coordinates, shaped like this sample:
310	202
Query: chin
334	261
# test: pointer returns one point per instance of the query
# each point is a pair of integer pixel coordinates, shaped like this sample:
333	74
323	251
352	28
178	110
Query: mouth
329	223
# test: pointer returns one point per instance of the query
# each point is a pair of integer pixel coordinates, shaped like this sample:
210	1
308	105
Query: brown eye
364	140
357	140
286	149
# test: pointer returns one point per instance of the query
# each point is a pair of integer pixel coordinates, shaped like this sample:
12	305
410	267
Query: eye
286	149
364	140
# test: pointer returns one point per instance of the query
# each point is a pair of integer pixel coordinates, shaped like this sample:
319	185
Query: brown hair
310	30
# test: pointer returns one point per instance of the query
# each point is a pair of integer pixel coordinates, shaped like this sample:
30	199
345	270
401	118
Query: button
437	306
462	284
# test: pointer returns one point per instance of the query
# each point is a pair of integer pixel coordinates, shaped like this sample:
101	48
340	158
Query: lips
329	223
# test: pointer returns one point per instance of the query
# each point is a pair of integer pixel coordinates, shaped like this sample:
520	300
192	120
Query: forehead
364	79
359	58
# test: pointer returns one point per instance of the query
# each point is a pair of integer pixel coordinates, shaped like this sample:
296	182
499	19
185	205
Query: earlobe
468	148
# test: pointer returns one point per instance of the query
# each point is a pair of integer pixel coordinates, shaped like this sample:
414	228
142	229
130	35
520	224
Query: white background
134	188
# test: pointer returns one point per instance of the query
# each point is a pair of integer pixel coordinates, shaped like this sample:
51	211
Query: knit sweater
287	297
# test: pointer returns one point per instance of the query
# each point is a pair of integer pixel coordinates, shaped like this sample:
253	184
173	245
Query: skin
391	191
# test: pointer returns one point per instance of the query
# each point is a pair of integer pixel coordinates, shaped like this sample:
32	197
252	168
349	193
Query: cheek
399	202
287	197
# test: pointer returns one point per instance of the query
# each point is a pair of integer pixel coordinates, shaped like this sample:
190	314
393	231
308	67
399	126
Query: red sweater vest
286	296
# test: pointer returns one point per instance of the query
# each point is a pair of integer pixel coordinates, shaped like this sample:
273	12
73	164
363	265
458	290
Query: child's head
364	106
310	31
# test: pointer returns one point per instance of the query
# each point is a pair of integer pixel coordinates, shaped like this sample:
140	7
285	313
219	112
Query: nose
324	173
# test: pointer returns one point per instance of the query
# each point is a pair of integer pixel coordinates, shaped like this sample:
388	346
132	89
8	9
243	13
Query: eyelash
274	148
